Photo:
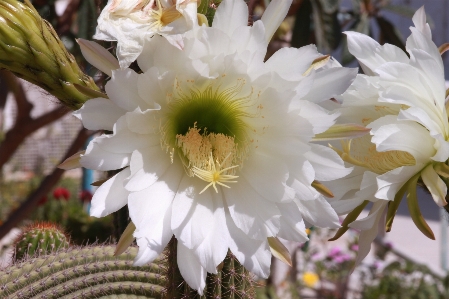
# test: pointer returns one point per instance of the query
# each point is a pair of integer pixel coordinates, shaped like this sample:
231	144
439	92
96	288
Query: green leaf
414	210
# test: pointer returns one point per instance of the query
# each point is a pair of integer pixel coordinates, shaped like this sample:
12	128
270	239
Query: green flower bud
31	49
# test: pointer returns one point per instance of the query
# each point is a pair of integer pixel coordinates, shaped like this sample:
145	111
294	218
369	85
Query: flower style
402	101
213	143
133	22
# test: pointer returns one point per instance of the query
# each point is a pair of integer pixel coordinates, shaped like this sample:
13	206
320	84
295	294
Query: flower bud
31	49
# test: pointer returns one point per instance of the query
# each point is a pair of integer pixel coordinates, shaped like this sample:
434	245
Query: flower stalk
31	49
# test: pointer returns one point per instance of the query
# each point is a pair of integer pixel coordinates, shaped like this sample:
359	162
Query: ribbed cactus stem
88	272
233	281
31	49
40	238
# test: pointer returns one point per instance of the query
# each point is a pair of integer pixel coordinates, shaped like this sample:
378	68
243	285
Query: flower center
206	128
362	152
163	16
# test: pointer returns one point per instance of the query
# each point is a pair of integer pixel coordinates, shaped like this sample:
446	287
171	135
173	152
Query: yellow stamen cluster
202	153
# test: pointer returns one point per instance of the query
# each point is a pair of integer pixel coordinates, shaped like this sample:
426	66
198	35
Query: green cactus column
233	281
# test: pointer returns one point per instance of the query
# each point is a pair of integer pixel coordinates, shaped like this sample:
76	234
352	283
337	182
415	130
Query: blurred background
36	132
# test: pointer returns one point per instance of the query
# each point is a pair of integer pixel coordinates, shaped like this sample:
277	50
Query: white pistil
214	174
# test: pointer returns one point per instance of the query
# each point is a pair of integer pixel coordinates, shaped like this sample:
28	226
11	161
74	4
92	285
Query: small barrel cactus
87	272
40	238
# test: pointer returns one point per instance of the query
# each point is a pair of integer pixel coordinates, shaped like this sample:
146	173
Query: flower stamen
214	174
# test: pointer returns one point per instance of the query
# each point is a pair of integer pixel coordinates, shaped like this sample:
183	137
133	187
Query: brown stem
46	185
22	129
24	124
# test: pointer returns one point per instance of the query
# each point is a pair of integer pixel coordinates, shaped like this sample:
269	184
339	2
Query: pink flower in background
335	251
354	247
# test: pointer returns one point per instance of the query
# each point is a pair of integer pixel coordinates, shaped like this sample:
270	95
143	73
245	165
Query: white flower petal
330	83
404	136
442	147
99	159
190	268
389	183
370	54
231	15
254	255
421	37
147	207
147	166
125	141
260	180
98	56
326	163
142	122
122	90
214	248
318	212
258	223
420	116
99	114
150	210
292	226
435	184
111	196
192	218
419	19
291	63
274	15
370	228
320	118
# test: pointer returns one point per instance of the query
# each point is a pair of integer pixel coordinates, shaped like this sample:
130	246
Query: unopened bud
31	49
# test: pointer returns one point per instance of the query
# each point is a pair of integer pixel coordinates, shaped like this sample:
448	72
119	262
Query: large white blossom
214	144
133	22
402	101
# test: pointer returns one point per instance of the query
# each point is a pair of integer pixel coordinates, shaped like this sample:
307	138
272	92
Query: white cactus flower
402	101
133	22
214	144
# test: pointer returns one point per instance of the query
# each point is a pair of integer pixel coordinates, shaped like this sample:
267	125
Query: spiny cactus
40	238
87	272
231	282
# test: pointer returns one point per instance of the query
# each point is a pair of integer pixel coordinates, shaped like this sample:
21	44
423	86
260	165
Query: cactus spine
88	272
40	238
